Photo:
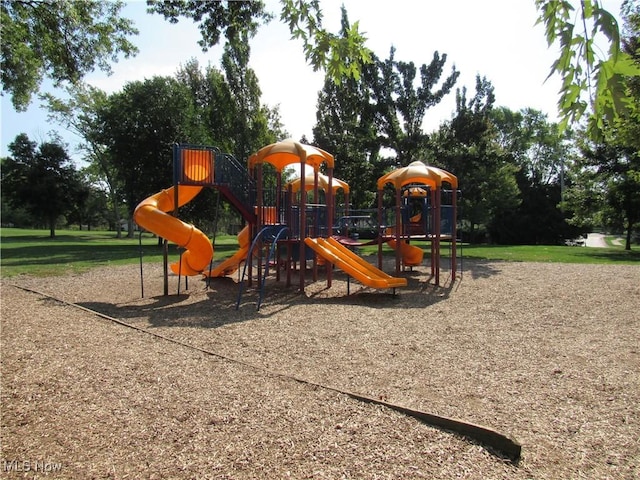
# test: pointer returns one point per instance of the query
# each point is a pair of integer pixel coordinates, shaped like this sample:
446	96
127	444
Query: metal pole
165	262
303	221
141	278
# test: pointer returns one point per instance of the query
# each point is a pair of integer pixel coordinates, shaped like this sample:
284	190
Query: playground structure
420	185
289	225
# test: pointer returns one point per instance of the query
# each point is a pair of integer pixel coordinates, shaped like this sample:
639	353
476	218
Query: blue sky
494	38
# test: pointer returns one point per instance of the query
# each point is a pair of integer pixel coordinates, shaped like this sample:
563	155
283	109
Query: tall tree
79	114
249	122
468	147
213	103
139	127
60	40
384	109
345	126
40	178
221	97
536	145
402	105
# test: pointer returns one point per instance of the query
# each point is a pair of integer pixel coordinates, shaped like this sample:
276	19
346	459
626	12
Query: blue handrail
266	268
259	237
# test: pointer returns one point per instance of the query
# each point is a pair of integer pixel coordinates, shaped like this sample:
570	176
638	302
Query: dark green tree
212	103
345	126
62	41
468	147
606	190
540	152
536	145
90	205
249	123
41	179
228	112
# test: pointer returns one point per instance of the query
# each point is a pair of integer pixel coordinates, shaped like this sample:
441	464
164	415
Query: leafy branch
585	70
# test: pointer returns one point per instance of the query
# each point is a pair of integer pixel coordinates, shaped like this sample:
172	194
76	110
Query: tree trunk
52	227
116	213
627	245
113	195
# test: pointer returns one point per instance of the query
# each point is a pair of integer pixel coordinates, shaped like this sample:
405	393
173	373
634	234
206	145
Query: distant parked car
356	227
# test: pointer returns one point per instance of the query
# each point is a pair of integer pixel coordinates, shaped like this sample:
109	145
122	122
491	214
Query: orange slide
411	255
339	255
231	264
151	215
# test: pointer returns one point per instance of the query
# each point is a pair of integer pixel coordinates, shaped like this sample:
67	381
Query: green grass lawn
532	253
551	253
32	252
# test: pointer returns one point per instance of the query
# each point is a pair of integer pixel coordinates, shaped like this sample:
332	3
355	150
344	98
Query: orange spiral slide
151	215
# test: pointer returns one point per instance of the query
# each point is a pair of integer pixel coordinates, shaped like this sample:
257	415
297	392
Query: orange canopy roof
417	172
323	183
289	151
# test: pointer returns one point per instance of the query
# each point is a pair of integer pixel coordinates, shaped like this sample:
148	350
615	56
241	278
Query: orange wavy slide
339	255
151	215
231	264
411	255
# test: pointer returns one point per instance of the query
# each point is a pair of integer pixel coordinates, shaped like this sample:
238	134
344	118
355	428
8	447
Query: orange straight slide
339	255
151	215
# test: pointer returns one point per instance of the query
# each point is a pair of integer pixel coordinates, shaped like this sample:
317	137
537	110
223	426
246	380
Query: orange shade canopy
288	152
417	172
323	184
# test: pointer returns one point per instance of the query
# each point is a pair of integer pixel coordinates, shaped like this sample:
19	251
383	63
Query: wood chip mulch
548	354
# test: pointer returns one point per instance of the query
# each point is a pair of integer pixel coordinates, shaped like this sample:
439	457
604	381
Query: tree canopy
60	40
338	54
586	72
